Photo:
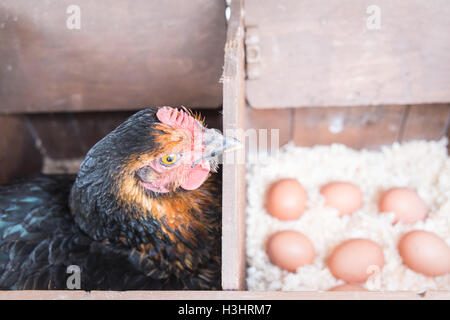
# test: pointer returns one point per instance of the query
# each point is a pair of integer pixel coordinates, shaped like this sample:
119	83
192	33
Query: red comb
176	118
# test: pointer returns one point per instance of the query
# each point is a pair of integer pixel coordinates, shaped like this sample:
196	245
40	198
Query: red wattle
196	176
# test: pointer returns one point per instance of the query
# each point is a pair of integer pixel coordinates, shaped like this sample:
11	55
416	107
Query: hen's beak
215	144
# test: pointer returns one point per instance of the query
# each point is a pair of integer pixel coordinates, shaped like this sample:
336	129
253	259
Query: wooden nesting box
321	74
287	66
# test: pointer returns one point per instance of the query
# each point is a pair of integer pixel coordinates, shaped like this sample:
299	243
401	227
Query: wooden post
233	213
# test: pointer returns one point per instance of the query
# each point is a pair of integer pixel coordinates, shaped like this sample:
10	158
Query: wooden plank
221	295
19	156
356	127
233	195
305	53
271	119
448	138
426	122
124	56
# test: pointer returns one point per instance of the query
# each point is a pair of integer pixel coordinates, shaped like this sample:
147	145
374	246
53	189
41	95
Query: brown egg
286	199
353	259
343	196
425	252
348	287
405	203
289	250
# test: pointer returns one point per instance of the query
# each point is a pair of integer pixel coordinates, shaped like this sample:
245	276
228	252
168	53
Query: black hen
144	212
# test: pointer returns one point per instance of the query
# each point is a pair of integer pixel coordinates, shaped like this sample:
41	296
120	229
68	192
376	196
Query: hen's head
181	154
155	155
160	150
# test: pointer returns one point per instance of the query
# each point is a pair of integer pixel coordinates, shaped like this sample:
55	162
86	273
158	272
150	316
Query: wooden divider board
356	127
233	192
310	53
128	54
219	295
362	127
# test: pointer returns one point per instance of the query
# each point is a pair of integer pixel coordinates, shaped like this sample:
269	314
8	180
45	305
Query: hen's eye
169	159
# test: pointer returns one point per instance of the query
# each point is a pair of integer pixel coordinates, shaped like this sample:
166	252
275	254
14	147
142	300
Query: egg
289	250
353	260
286	199
425	252
348	287
344	196
405	203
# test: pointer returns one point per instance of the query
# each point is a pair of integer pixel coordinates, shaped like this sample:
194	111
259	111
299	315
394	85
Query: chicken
144	212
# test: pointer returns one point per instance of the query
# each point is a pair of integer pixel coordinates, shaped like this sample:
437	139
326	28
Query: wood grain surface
307	53
426	122
222	295
363	127
19	156
356	127
128	55
271	119
233	193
